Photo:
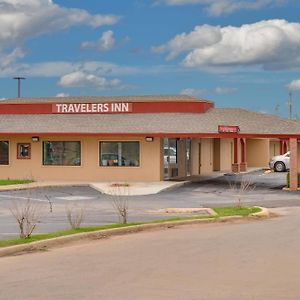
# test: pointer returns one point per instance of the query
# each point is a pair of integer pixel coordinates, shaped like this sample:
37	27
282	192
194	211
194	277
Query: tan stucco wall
206	156
149	169
274	148
181	157
258	151
226	154
195	156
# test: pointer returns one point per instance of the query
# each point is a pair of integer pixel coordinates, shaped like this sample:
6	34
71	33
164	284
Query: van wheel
279	167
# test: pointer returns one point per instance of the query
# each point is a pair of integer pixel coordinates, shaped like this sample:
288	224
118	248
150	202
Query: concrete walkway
125	188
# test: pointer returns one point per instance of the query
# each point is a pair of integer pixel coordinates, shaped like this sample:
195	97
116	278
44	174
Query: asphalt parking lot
99	208
234	261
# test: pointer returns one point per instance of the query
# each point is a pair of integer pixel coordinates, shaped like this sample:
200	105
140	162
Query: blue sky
235	53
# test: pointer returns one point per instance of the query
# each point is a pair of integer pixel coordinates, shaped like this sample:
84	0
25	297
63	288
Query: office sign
91	108
228	129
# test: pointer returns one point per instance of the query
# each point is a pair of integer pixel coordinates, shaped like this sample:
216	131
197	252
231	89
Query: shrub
27	214
75	215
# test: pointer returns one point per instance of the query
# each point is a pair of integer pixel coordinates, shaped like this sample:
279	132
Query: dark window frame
76	164
19	151
136	163
8	154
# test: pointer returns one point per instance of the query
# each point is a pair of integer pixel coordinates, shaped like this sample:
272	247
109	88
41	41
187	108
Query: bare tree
50	203
120	195
239	186
27	214
75	215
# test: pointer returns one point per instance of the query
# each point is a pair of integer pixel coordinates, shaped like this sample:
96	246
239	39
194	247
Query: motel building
139	138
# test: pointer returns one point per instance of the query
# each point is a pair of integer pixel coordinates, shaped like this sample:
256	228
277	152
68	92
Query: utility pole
19	84
290	105
277	106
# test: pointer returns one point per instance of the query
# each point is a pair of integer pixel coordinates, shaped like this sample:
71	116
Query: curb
101	234
289	190
34	185
263	213
175	185
29	186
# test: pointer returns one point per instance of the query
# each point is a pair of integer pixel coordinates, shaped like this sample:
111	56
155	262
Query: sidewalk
130	189
126	188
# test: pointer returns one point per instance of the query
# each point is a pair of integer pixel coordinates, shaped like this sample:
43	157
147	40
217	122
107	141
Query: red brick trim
154	134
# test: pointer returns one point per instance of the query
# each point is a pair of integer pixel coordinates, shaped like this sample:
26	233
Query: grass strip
236	211
14	181
222	212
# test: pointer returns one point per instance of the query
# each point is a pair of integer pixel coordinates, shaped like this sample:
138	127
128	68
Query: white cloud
204	35
104	43
294	85
62	95
7	59
20	20
219	7
272	44
202	92
193	92
98	68
82	79
60	68
225	90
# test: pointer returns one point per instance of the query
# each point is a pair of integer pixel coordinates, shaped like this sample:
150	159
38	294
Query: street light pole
19	84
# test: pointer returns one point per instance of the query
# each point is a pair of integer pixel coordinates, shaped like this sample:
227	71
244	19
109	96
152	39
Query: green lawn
236	211
14	181
222	212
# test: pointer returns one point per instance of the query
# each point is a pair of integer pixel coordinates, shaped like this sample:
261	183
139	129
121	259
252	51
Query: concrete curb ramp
64	240
134	188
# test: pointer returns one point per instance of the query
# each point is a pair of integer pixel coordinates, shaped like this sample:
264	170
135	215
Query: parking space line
25	198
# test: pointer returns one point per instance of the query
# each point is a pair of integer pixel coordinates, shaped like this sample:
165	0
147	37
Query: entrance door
177	157
188	147
170	158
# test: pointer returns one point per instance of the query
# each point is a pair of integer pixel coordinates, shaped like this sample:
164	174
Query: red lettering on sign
228	129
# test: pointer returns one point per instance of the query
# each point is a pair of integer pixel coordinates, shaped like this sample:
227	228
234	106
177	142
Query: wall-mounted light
35	139
149	138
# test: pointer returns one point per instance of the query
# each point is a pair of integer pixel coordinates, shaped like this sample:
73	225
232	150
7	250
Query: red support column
293	164
243	164
283	146
236	165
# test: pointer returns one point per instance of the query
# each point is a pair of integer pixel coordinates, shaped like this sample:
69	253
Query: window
24	151
119	154
61	153
4	152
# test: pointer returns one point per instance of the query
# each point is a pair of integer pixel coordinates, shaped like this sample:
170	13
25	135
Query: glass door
188	146
170	158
